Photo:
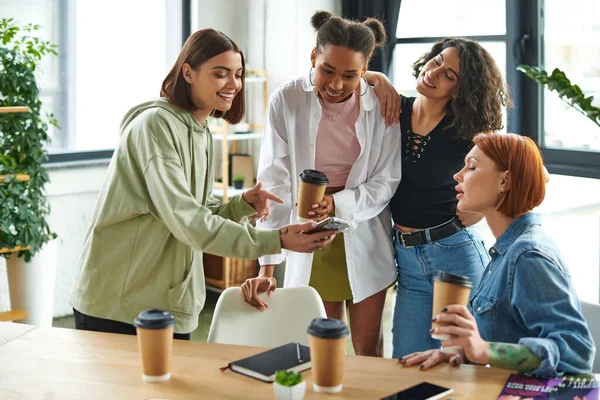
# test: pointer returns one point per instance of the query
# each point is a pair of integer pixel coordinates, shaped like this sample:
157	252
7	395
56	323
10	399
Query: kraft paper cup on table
327	338
155	341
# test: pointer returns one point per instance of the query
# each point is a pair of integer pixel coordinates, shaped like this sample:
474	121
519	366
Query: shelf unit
223	272
18	177
223	133
18	314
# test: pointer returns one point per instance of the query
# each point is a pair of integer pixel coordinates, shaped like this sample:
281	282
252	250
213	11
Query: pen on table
299	351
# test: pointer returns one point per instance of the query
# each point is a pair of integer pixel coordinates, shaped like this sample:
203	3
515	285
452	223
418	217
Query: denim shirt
526	296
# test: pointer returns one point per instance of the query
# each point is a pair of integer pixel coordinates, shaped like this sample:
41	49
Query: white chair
290	312
591	313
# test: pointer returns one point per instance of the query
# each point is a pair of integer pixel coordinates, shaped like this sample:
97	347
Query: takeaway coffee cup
311	190
448	289
327	338
155	340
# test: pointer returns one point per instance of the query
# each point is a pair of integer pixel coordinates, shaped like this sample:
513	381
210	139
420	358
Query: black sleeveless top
426	196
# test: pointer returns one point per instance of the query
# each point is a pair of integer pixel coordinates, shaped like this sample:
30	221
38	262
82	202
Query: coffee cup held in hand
448	289
155	340
310	191
327	338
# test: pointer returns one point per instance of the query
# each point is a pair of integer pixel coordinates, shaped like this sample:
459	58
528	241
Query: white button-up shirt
288	148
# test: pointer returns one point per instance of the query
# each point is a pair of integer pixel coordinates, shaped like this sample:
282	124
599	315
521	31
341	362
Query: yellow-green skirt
329	273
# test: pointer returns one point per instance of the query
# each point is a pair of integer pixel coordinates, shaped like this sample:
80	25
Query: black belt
417	238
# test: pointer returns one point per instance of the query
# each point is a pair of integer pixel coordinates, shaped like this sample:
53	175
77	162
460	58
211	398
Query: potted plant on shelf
289	385
24	230
238	181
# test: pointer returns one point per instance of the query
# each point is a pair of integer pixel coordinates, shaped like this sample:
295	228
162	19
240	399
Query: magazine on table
576	387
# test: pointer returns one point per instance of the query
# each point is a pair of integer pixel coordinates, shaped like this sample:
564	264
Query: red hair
520	156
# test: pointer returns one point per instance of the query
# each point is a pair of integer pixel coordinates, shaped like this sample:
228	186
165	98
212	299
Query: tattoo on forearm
513	356
284	230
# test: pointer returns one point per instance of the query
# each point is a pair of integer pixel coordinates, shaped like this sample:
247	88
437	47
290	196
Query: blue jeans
463	253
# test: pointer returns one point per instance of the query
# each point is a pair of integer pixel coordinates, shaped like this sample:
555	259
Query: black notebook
289	357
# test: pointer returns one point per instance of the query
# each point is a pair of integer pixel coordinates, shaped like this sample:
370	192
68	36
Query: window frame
67	115
524	41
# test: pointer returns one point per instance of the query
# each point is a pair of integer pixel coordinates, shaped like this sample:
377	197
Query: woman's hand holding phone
330	224
296	237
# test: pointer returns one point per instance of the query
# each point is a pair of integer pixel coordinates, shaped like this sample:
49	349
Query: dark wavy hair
481	92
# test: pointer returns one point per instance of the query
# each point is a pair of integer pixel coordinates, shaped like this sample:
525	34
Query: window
440	18
571	43
113	55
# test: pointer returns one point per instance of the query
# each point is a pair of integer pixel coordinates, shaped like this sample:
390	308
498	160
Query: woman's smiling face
439	76
337	72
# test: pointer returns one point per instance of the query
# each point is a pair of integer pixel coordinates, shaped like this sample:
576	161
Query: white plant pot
31	285
289	392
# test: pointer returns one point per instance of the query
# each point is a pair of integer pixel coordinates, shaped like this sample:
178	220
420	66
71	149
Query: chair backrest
290	312
591	313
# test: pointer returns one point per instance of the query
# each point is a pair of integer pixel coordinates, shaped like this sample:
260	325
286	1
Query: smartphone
330	223
422	391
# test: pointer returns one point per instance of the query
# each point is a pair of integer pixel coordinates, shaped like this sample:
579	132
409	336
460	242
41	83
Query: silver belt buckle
402	239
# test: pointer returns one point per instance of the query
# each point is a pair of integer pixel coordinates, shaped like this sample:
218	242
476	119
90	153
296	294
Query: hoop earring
366	85
310	76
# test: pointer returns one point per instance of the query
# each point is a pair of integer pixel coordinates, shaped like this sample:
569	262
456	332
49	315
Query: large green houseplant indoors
571	93
23	205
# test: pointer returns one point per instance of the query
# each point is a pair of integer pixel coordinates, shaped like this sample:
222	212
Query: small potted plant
289	385
238	181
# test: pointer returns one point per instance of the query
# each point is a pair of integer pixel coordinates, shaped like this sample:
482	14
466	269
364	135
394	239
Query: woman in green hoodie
156	215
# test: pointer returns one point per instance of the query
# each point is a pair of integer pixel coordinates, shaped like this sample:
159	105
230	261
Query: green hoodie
154	217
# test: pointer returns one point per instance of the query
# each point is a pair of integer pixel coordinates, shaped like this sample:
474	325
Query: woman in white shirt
331	121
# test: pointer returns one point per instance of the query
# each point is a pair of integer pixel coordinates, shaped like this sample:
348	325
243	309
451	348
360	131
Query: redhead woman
525	314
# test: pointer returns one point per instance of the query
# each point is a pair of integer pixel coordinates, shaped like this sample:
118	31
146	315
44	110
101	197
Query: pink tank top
337	145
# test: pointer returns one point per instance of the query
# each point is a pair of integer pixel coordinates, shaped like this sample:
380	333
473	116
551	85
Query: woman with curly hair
461	92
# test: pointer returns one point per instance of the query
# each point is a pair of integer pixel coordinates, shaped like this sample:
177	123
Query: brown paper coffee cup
448	289
155	341
311	190
327	338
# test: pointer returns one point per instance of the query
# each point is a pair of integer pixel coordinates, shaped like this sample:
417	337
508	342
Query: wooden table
10	332
55	363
